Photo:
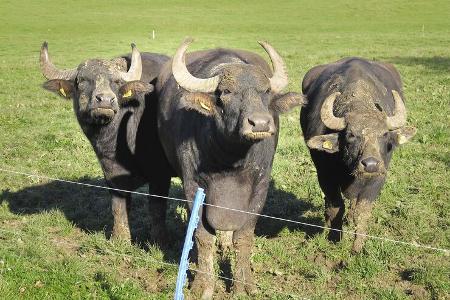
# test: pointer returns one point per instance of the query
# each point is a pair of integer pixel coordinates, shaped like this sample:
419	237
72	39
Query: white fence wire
413	244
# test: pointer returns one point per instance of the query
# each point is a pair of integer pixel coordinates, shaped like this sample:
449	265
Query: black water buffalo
354	119
218	124
124	139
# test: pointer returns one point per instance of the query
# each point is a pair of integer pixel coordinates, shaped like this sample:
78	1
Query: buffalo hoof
121	233
245	285
202	287
334	236
240	289
358	245
333	221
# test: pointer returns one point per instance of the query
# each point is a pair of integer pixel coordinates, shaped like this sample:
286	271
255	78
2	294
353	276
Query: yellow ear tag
204	106
127	94
327	145
63	92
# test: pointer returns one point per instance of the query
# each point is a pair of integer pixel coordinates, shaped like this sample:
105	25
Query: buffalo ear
201	102
404	134
134	89
286	102
64	88
327	142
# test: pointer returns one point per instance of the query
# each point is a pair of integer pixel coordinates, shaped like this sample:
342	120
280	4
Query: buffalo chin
257	136
368	175
102	115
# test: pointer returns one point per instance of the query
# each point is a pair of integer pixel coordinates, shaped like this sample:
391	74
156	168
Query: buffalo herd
211	118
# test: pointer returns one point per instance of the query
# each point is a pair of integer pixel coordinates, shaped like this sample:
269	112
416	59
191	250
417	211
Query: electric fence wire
414	244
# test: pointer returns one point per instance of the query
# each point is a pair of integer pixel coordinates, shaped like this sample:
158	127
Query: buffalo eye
378	106
389	147
116	83
351	136
219	95
267	91
81	83
219	102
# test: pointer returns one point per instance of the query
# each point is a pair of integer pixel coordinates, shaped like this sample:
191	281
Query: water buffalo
218	124
124	137
354	119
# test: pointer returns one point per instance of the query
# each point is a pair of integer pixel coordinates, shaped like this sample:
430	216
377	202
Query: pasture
54	236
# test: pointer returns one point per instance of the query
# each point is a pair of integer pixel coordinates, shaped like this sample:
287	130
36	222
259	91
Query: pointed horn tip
133	45
395	93
44	45
262	43
188	40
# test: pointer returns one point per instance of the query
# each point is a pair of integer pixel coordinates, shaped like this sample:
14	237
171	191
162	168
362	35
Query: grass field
53	236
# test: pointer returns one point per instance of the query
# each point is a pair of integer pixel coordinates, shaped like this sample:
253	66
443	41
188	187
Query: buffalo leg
334	212
334	208
120	208
334	203
202	287
361	215
157	209
243	242
204	280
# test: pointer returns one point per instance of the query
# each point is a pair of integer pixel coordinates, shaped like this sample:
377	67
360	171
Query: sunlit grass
55	242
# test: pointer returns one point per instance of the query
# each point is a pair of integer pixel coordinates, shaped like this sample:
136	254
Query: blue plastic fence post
188	243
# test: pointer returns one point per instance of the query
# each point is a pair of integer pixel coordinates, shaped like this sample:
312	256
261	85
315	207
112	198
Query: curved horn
279	79
327	115
185	79
50	71
398	119
135	70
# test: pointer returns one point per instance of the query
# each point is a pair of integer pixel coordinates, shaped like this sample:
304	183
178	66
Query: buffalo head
97	86
240	97
365	139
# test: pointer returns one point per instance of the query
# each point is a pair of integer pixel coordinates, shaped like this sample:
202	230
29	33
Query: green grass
53	241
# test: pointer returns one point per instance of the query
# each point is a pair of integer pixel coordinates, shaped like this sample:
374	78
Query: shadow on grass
89	209
441	157
286	205
435	63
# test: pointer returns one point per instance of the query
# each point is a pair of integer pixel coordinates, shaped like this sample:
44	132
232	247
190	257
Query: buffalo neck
227	153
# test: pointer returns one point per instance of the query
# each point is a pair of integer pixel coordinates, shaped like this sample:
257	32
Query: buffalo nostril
259	123
370	164
99	97
105	98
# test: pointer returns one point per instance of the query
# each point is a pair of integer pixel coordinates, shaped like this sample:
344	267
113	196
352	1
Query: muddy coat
354	119
118	116
224	141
